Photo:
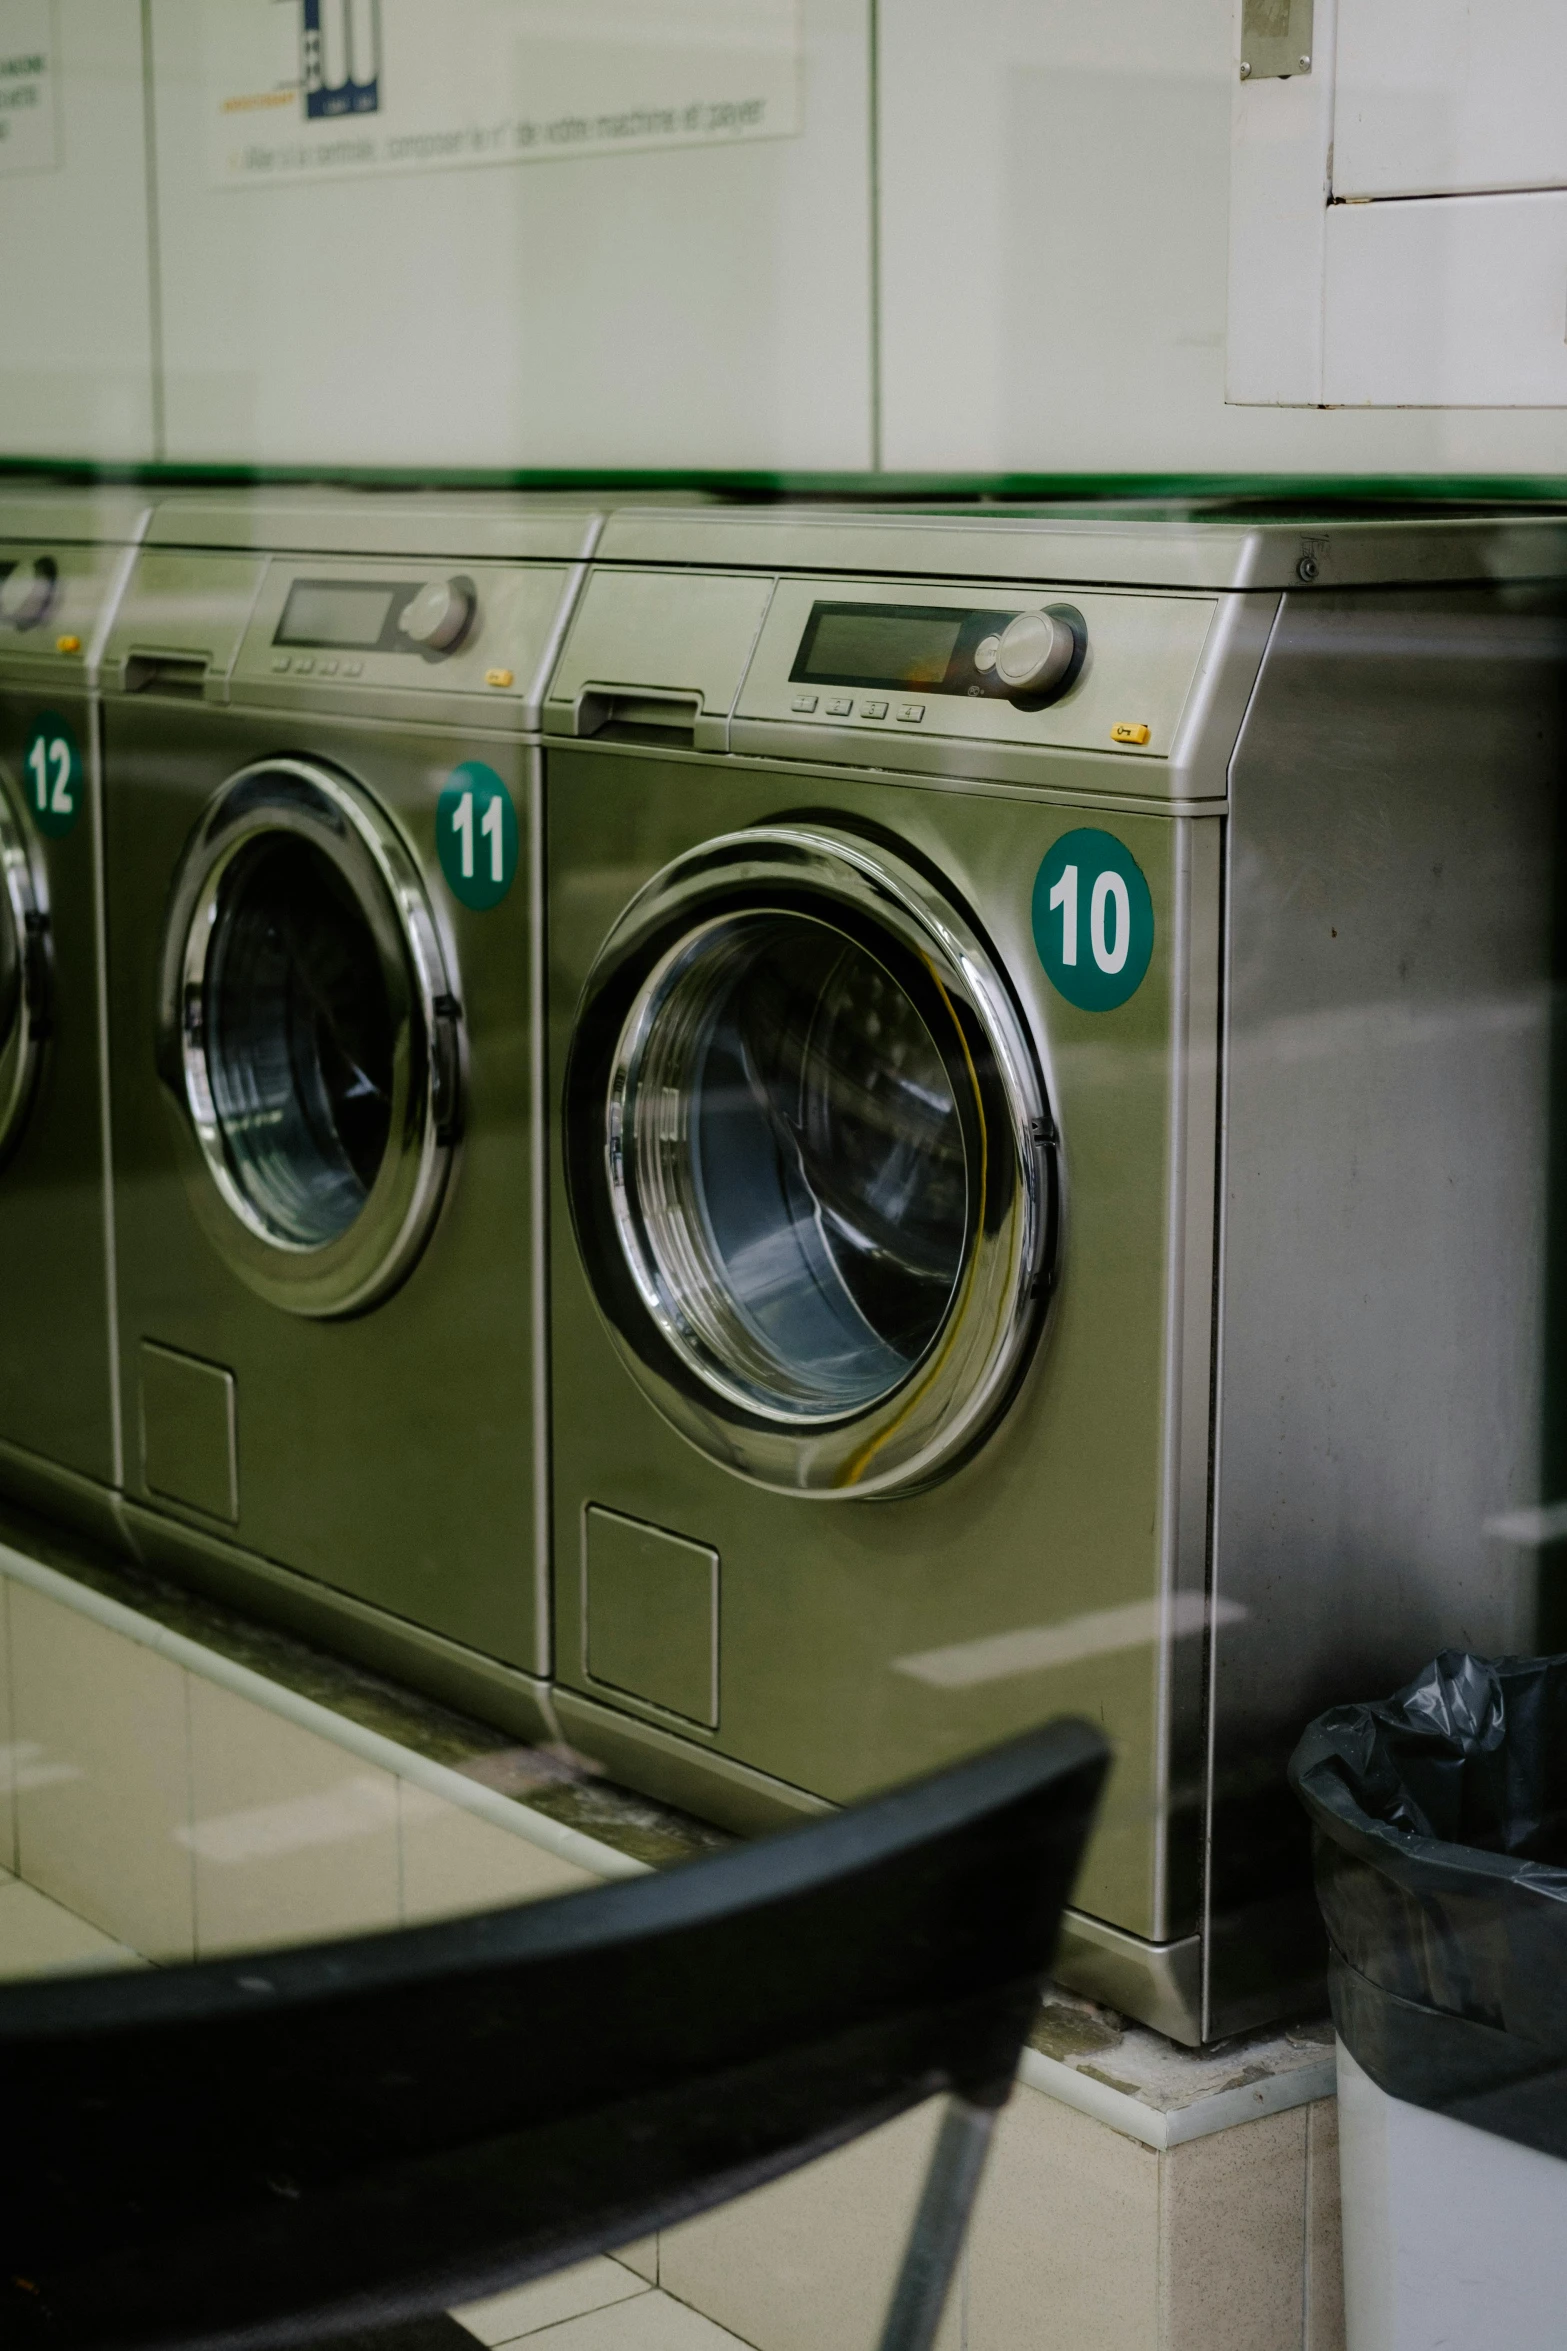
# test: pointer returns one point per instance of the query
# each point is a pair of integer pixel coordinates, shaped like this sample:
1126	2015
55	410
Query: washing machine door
811	1162
24	976
309	1038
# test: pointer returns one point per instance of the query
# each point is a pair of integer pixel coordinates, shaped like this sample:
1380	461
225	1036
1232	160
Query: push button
911	713
351	669
329	669
281	661
304	663
843	707
873	710
804	702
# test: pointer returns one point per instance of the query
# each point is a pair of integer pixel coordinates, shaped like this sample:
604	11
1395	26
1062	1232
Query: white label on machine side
328	89
28	140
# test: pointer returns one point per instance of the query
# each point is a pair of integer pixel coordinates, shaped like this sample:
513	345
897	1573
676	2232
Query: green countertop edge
741	483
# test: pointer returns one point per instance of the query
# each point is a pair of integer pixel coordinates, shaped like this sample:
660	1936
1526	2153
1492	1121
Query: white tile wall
102	1772
1064	2249
186	1819
1232	2234
453	1862
808	2263
294	1840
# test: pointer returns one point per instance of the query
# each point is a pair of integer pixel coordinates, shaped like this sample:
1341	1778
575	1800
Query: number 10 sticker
53	768
476	834
1093	920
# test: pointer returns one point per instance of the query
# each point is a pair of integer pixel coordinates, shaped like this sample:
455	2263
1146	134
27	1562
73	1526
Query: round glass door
809	1160
309	1039
24	977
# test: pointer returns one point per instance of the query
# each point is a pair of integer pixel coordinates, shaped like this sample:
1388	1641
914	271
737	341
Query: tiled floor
41	1937
598	2306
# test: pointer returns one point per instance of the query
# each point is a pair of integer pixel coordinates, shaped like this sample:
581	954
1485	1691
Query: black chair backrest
249	2151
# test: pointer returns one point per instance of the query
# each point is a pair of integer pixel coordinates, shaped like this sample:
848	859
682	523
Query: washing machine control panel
987	652
324	632
896	673
334	616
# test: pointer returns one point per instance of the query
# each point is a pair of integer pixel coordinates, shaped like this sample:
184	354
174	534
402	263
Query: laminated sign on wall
27	123
315	89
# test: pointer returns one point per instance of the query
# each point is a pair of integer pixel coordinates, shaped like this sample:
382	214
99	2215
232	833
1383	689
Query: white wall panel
1448	97
1056	285
1461	301
76	350
698	306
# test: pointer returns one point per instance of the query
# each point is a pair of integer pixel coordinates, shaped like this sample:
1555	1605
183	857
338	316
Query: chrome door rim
361	1265
24	905
953	1396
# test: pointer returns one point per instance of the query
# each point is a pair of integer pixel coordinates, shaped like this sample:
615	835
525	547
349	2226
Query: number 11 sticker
476	835
52	766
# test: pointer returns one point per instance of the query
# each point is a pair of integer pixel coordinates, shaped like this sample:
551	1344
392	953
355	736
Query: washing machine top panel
1073	547
372	636
312	520
84	517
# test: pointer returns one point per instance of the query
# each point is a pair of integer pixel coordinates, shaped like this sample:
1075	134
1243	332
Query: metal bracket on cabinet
1275	39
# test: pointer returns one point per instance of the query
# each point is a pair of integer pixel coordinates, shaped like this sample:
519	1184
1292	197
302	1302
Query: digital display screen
326	612
897	645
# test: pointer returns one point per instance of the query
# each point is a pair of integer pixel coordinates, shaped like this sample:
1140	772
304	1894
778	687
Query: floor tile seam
517	1820
18	1884
554	2326
589	2310
670	2295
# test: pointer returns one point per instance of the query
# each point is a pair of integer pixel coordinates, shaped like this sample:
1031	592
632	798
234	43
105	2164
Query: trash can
1440	1836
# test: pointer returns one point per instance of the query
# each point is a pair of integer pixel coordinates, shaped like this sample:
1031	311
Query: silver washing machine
322	876
63	558
1051	1060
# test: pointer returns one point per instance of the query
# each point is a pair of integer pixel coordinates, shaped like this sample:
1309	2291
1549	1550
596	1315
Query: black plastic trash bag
1439	1823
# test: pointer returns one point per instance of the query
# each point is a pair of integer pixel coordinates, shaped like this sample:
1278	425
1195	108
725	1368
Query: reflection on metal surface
1532	1528
356	1807
24	976
1036	1648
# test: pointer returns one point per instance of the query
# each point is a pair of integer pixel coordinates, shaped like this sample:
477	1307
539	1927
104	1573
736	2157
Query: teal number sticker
476	833
1093	920
52	773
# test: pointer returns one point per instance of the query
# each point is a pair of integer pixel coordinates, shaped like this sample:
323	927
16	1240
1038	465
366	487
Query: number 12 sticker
1093	919
52	766
476	835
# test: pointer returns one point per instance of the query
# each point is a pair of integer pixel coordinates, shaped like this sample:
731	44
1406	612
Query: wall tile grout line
453	1787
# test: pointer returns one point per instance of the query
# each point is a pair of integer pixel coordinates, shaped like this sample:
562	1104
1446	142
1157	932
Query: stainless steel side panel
1383	1326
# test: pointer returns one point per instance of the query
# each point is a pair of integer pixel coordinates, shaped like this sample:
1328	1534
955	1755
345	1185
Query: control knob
438	618
27	598
1034	652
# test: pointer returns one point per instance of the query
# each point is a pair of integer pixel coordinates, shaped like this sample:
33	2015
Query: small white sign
28	140
332	89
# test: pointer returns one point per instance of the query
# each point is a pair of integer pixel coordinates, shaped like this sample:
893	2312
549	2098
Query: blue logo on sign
340	53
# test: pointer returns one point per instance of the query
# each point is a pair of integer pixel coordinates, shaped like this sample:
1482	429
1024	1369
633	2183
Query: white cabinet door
1454	304
76	353
646	281
1449	97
